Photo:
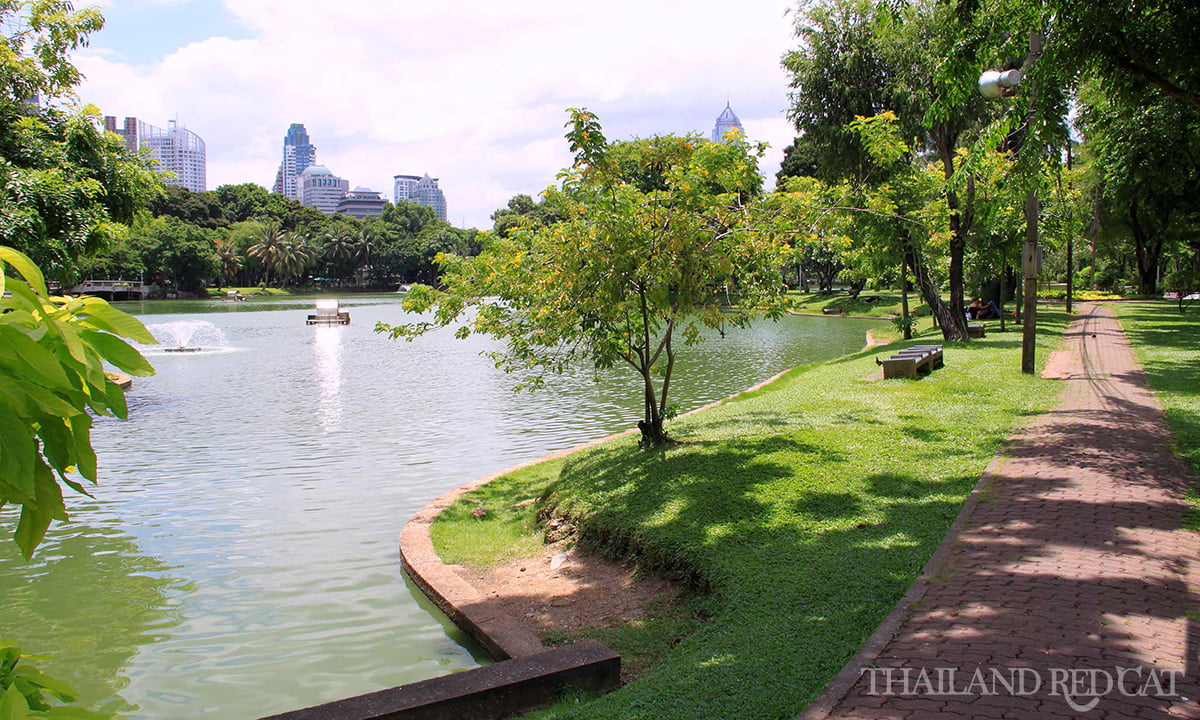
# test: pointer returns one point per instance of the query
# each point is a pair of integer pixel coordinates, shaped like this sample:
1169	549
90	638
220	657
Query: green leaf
25	267
40	362
105	317
18	453
57	444
13	705
85	456
116	399
116	351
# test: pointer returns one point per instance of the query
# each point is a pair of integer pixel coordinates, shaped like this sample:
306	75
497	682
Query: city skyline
473	93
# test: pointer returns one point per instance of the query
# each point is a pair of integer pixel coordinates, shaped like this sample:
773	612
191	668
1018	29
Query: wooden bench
913	362
976	330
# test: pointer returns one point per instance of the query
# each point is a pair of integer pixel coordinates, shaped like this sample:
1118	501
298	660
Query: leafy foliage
65	185
24	690
52	354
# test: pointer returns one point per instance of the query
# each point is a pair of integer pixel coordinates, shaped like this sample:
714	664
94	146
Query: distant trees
241	234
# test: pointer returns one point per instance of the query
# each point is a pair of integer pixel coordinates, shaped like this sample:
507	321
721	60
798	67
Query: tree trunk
905	320
954	329
1003	293
1148	251
960	222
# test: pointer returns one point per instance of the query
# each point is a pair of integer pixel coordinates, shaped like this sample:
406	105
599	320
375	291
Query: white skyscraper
177	150
420	191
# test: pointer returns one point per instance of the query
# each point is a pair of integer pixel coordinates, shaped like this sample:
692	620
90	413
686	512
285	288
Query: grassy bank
1168	346
254	290
806	509
873	303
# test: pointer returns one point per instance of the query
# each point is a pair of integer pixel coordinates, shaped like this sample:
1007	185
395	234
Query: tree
229	258
269	247
1129	46
197	208
1148	158
627	273
65	185
182	254
1183	283
409	219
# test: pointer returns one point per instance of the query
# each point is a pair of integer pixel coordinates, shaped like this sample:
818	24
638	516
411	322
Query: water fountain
188	336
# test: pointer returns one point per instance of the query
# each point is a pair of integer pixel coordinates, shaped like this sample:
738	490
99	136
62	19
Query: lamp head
995	83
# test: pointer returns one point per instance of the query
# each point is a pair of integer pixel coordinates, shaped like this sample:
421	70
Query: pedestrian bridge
112	289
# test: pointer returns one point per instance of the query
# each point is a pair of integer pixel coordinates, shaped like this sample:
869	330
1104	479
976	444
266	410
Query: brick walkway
1068	559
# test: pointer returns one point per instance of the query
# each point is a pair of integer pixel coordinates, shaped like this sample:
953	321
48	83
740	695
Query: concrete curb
500	634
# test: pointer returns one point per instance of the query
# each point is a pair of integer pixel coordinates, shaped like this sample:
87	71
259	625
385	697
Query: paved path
1068	571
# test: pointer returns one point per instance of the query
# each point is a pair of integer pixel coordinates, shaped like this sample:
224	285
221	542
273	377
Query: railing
110	287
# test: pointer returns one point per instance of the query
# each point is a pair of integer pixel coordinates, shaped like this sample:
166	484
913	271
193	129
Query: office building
361	203
176	149
420	191
298	154
321	189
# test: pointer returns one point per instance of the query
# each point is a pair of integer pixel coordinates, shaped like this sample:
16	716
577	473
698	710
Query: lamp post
992	85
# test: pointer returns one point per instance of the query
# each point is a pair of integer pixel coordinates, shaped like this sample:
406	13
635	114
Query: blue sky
142	32
473	92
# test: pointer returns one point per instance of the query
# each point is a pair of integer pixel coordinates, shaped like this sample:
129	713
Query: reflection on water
90	599
327	341
270	483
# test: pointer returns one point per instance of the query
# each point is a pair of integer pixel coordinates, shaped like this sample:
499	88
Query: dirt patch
1061	365
565	590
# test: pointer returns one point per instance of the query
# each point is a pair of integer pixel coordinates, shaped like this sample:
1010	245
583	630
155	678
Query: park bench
976	330
913	362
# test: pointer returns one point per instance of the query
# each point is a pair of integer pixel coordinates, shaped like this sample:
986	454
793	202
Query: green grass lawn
802	512
1168	346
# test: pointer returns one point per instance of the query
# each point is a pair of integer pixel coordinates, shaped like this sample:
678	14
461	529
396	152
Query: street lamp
995	84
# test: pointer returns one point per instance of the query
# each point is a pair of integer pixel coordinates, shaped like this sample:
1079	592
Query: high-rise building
298	154
321	189
421	191
361	203
177	149
726	121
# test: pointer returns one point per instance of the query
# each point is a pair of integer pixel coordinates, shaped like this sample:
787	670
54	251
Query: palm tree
292	257
268	247
364	243
229	258
339	247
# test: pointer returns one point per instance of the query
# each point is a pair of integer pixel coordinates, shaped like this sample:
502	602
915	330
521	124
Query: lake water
239	557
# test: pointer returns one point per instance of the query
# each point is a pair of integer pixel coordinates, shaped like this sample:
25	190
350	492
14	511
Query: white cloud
472	92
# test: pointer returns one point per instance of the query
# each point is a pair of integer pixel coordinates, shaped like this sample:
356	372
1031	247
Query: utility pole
1032	256
992	85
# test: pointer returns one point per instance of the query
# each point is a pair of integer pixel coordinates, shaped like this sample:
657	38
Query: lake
239	557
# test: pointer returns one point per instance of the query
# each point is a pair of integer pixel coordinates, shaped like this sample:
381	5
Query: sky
472	92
